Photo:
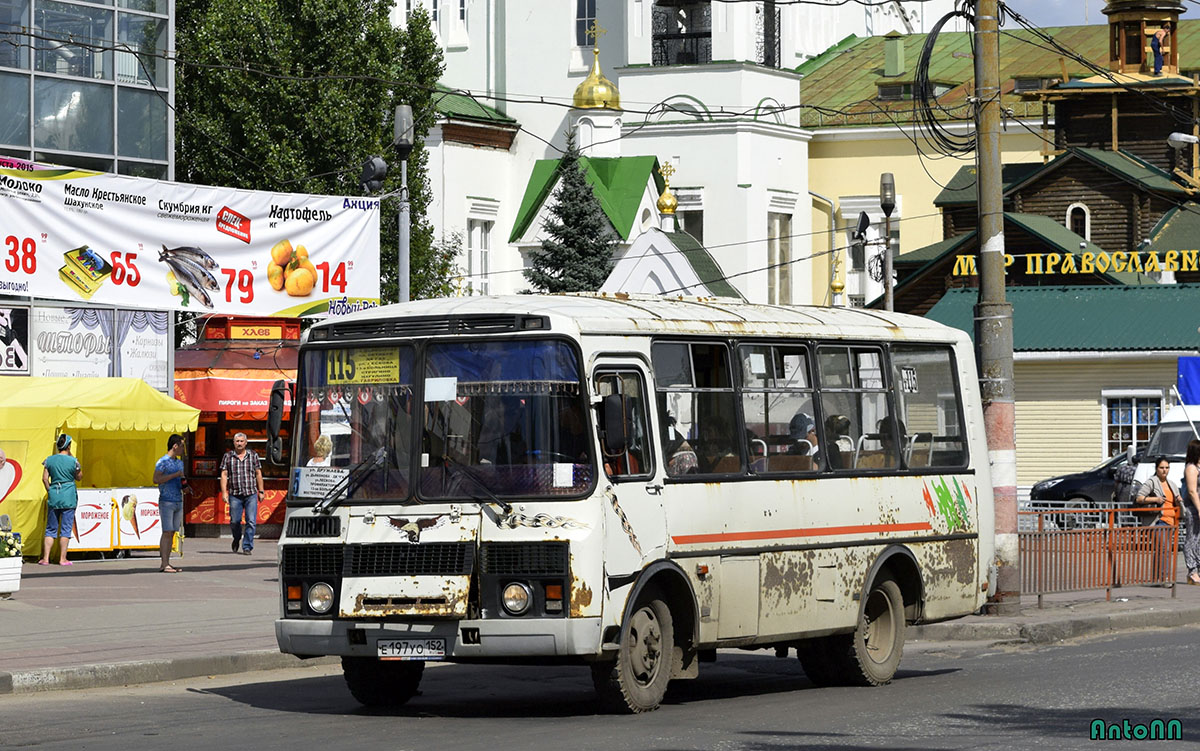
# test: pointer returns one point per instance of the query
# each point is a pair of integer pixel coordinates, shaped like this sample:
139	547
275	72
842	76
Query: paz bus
628	483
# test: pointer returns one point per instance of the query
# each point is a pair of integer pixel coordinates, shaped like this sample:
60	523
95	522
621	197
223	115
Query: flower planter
10	575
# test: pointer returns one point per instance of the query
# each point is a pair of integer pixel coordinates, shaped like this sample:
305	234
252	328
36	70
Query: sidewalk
116	622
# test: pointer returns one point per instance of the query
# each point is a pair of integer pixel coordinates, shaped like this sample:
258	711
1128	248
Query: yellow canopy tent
119	427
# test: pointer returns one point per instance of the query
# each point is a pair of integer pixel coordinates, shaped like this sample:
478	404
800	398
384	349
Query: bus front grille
404	559
312	560
525	558
314	526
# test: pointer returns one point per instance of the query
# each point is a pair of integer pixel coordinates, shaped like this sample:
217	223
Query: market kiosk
120	428
228	374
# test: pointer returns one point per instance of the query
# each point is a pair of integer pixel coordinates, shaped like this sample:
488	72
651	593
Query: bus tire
637	681
376	683
871	655
814	656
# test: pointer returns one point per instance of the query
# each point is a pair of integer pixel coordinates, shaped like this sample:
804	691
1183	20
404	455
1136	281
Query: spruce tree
577	254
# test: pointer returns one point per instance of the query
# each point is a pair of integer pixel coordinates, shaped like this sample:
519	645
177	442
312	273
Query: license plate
411	649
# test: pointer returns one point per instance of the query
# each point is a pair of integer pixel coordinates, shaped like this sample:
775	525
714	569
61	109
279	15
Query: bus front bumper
515	638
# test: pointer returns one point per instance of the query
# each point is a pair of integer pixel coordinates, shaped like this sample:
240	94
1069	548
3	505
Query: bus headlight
517	598
320	598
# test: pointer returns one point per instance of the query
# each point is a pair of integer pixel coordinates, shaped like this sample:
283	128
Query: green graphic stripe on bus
781	534
951	507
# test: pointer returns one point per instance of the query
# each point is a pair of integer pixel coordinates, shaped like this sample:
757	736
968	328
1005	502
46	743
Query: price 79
244	279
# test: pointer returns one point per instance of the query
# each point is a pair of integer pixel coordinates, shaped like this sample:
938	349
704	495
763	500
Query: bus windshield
356	402
508	416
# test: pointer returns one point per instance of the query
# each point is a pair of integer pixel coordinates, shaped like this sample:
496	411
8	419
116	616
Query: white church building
706	85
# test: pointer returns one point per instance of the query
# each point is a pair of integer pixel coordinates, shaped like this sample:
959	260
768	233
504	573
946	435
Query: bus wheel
873	651
377	683
637	681
814	656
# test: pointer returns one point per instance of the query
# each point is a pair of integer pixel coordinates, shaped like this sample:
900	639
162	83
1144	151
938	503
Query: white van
1170	439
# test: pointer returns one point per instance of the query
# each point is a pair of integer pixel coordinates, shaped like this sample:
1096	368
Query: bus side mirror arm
275	421
613	412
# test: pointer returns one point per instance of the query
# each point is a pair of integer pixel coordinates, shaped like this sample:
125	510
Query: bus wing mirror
614	424
275	422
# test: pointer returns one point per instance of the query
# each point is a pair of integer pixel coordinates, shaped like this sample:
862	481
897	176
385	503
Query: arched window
1079	220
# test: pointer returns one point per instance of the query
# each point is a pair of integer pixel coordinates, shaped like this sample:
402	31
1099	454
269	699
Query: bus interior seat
790	463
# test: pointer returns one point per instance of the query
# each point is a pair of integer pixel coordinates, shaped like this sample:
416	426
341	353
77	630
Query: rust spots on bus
452	602
787	575
581	597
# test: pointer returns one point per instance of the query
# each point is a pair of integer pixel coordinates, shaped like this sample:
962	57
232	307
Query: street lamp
402	140
374	170
887	202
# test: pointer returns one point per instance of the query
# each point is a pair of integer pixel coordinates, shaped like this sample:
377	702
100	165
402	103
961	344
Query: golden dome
597	92
667	202
838	286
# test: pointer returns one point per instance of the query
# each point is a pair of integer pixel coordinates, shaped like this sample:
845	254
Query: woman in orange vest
1159	489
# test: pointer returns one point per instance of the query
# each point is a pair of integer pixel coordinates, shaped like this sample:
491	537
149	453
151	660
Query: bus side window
697	408
854	400
927	400
635	460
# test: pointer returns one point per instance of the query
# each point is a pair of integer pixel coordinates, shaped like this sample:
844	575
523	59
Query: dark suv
1091	487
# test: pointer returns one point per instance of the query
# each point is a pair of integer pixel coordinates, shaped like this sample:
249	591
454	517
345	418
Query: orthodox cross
595	31
666	170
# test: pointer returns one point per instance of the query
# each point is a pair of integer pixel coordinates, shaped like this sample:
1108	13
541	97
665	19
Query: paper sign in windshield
441	389
316	482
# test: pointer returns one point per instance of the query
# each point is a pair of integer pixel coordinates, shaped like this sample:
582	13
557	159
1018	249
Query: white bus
629	483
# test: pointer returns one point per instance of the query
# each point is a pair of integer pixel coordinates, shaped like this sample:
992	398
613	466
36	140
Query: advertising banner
77	235
116	518
14	341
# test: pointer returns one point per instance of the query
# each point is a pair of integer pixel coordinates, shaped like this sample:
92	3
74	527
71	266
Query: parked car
1093	487
1088	488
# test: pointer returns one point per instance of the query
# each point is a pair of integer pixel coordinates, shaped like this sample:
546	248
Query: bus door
635	527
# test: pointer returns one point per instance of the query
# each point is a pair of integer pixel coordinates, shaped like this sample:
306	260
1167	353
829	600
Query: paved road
947	696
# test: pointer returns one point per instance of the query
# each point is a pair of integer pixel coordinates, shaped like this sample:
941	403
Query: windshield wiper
467	472
352	481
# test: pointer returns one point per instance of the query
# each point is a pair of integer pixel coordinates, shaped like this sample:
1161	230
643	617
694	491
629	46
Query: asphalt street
950	695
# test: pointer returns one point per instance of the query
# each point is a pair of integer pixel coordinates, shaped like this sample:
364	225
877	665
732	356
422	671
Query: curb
1052	632
149	671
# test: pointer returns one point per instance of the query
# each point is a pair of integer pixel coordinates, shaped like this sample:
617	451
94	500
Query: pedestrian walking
61	472
168	476
242	487
1191	511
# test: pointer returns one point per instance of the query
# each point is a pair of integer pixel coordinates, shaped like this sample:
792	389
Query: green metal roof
1110	318
450	103
845	78
810	65
618	182
922	256
704	265
1179	229
963	191
1066	241
1123	164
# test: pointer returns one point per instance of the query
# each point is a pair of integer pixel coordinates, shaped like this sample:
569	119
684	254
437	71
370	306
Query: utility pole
993	314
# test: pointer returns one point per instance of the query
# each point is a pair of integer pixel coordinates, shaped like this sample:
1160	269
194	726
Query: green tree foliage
577	255
293	96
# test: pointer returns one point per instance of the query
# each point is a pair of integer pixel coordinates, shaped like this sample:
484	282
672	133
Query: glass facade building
87	84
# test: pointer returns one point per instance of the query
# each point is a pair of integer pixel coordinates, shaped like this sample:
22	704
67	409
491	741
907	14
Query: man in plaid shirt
241	487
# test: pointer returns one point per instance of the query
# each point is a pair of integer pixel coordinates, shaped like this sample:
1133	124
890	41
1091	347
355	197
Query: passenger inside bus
839	444
716	452
682	459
